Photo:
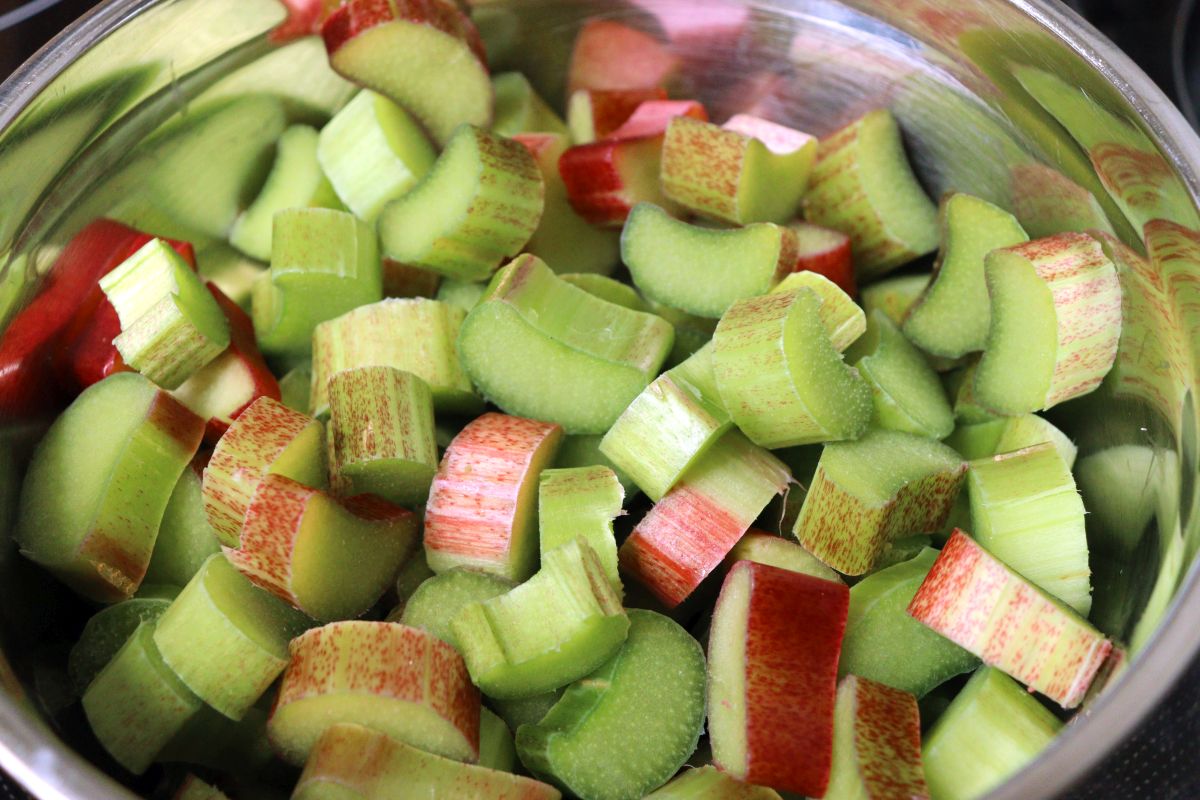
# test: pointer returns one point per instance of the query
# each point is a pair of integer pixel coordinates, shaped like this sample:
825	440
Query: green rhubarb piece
1006	434
960	386
884	644
225	638
630	725
781	378
381	436
373	152
766	548
519	109
476	206
607	288
1026	511
98	536
211	740
295	181
136	704
893	296
581	502
416	335
876	743
460	294
907	548
185	539
701	270
413	573
437	601
540	347
295	388
497	749
841	316
323	264
518	711
583	450
170	324
556	627
907	394
662	432
229	270
195	789
991	730
1055	323
696	374
868	492
864	186
691	332
709	783
951	316
105	633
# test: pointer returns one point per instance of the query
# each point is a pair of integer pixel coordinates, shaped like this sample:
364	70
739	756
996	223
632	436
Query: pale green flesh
581	502
727	674
699	270
497	750
907	394
709	783
105	633
460	294
783	553
1006	434
845	779
879	465
884	644
606	288
893	296
583	450
185	539
437	601
518	711
295	388
626	728
519	109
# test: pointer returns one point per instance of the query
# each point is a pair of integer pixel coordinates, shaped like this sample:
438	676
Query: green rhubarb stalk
841	316
437	601
581	502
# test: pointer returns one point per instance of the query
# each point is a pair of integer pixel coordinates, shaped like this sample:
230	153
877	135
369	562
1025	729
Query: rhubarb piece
381	438
1026	512
416	336
611	56
105	633
595	113
136	704
825	252
960	386
894	296
268	438
581	502
227	385
413	573
877	743
863	186
331	559
185	539
703	271
663	432
583	450
323	264
350	762
225	638
497	749
691	332
766	548
437	601
558	626
630	725
482	507
518	711
401	49
295	181
519	109
709	783
170	325
460	294
868	492
98	536
842	317
534	334
477	205
401	280
686	535
780	376
231	272
653	117
563	239
390	678
1055	323
1047	202
772	676
884	644
606	288
373	152
193	788
991	730
982	605
1004	435
905	391
607	178
750	170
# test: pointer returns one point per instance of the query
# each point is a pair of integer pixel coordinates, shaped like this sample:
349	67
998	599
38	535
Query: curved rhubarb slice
558	626
497	750
482	506
630	725
982	605
826	252
595	113
583	450
709	783
893	296
400	48
868	492
351	762
863	186
606	179
780	376
876	743
98	536
1055	323
842	317
541	347
686	535
767	548
519	108
1006	434
772	676
478	205
331	559
391	678
225	638
437	601
1026	511
581	502
611	56
951	316
193	788
105	633
703	271
185	539
268	438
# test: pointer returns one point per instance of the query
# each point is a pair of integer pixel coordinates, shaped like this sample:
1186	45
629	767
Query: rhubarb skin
595	113
606	179
772	682
482	505
825	252
611	56
305	18
877	744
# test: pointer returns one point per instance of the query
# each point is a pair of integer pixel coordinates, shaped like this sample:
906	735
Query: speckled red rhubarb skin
595	177
273	521
887	742
474	495
610	55
652	117
611	107
356	16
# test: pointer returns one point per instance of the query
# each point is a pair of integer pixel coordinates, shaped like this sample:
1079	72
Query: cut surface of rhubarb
582	501
437	601
767	548
185	539
709	783
105	633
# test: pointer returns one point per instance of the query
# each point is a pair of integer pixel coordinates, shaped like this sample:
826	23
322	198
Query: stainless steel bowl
1102	147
